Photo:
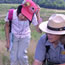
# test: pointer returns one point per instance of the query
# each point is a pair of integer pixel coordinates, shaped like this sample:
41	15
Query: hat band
56	29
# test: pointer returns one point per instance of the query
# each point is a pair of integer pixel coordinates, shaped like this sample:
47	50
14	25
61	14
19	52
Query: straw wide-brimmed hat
55	24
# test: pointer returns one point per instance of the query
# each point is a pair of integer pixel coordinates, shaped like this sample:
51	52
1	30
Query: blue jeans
18	52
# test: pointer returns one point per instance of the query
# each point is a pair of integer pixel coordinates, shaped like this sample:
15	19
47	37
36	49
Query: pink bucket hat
29	8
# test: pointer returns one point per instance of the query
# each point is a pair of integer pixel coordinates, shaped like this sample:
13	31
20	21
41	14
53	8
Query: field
4	55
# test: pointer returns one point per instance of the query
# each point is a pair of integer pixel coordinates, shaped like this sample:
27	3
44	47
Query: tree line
55	4
11	1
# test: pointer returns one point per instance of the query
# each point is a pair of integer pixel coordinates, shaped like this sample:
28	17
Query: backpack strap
64	46
47	46
10	17
30	22
47	49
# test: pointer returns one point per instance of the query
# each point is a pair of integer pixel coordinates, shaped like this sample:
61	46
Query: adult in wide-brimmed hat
50	46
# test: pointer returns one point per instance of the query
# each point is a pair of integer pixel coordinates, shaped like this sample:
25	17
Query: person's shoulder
15	14
15	11
42	39
43	36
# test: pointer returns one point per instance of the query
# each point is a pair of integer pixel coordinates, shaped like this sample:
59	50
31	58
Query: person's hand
36	62
37	29
40	31
62	64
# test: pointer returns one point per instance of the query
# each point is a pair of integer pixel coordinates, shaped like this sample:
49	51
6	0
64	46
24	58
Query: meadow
4	55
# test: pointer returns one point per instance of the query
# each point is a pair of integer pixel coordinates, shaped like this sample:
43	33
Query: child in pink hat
19	37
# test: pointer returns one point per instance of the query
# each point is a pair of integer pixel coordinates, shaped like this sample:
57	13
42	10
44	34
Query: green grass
31	59
5	60
46	13
4	7
2	31
34	34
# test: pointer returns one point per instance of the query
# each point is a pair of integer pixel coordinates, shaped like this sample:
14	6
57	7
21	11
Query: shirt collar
48	43
60	45
51	45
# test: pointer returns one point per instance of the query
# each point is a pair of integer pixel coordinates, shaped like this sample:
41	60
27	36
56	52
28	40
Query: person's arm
40	51
37	28
38	15
7	31
7	35
38	19
62	64
36	62
35	23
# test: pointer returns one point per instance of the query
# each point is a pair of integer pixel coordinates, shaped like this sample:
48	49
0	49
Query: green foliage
55	4
2	33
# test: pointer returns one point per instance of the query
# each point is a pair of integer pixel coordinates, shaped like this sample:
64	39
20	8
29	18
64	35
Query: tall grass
46	13
4	8
5	60
2	33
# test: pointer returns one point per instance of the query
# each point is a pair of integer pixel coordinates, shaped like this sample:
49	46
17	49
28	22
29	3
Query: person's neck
55	44
22	19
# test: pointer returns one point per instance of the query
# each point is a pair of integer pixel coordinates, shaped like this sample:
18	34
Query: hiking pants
18	53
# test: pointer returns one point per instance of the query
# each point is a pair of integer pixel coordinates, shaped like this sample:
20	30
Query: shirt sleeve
34	20
6	18
40	50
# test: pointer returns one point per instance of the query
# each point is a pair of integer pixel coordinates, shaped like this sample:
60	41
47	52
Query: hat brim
43	27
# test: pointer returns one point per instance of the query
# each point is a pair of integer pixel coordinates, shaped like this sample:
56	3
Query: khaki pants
18	53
